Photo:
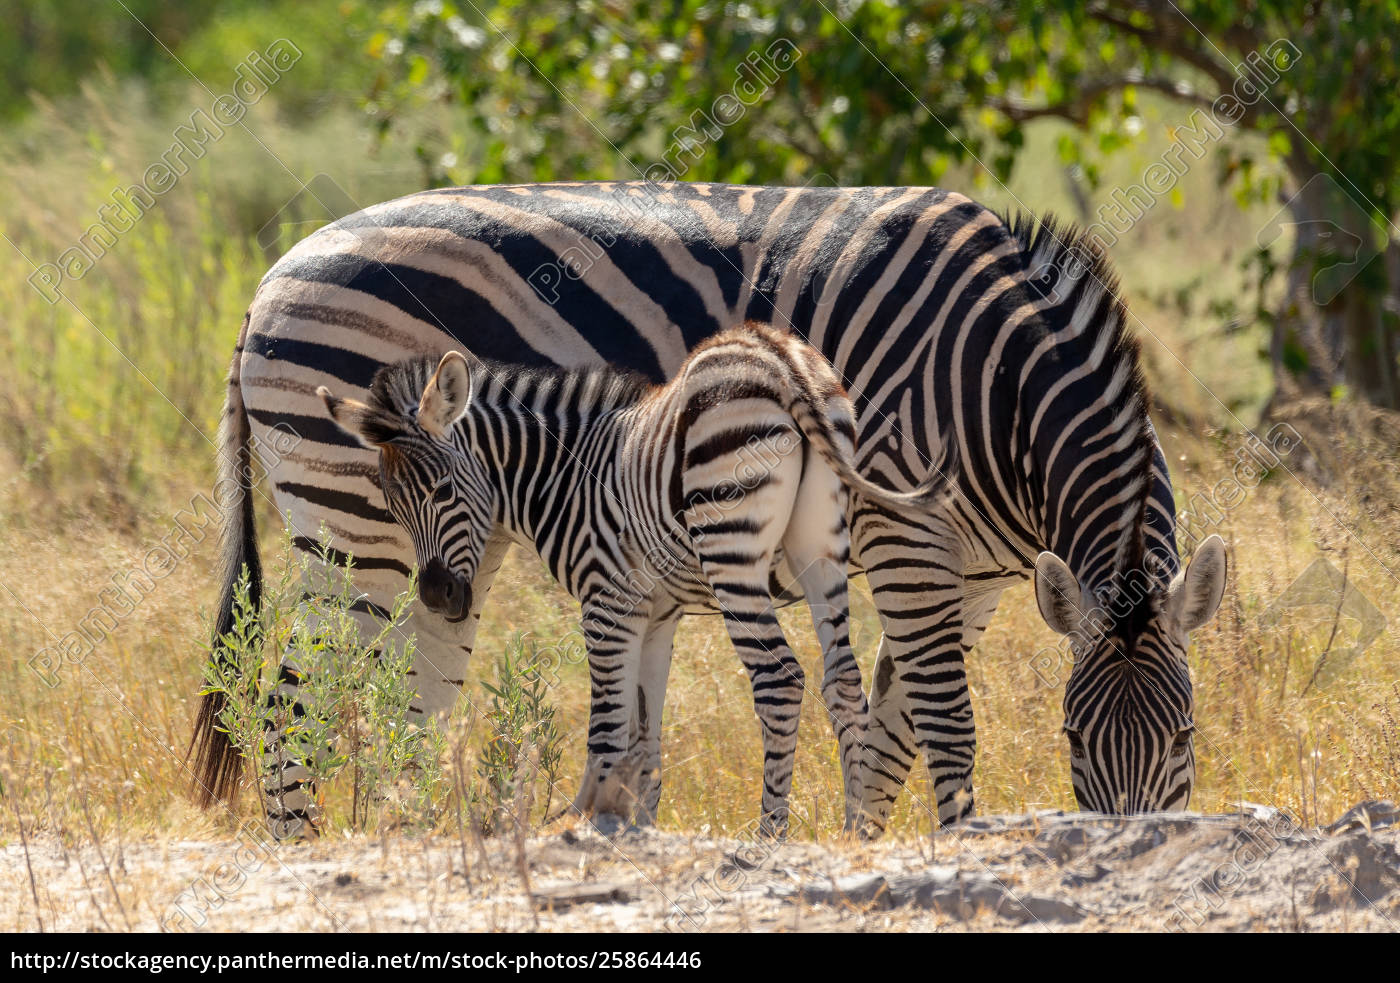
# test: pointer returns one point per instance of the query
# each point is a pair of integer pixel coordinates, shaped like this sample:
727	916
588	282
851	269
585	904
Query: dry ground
1254	871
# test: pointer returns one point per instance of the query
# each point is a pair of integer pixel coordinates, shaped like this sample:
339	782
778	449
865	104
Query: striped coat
701	495
947	325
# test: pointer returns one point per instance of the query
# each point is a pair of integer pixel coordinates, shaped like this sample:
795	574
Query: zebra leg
645	749
825	587
919	701
289	794
778	683
891	738
892	724
890	751
818	550
614	638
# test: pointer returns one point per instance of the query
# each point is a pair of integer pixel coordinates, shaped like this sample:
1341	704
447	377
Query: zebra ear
1057	593
1198	590
447	394
364	423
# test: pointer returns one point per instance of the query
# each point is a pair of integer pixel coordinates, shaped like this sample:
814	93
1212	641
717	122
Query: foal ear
363	422
1057	593
447	394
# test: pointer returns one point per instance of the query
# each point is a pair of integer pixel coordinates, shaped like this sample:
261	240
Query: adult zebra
922	301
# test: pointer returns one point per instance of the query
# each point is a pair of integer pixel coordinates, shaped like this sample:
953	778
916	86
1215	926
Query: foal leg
645	749
735	546
818	548
614	638
777	680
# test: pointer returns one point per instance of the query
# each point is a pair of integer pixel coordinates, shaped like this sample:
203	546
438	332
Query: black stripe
340	501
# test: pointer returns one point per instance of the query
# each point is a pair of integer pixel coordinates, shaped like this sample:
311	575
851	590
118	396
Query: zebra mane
610	386
394	395
1070	276
397	388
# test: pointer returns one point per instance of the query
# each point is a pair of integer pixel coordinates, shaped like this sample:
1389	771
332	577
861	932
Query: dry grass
110	737
98	463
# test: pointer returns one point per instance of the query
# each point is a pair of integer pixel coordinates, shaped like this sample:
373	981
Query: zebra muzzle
445	592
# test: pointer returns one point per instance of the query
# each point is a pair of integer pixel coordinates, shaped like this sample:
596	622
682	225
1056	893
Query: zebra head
434	480
1129	713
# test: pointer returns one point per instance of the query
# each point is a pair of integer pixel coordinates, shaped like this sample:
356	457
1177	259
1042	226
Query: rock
1044	909
1363	871
1369	815
561	897
945	890
1000	825
859	889
1139	835
965	895
1062	843
1079	878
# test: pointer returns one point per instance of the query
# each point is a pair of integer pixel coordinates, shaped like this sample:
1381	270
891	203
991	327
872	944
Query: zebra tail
217	761
833	435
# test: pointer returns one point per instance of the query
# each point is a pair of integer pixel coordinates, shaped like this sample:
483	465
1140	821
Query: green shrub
522	744
355	736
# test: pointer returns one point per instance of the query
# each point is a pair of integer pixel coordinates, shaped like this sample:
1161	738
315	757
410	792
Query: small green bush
355	735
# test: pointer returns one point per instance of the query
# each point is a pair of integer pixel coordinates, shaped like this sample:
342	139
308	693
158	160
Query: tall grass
104	442
112	393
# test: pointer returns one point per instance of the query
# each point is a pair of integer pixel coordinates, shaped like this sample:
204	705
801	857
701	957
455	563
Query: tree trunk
1338	322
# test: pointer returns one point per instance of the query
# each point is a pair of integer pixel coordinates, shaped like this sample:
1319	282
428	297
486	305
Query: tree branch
1175	36
1076	110
817	150
1171	39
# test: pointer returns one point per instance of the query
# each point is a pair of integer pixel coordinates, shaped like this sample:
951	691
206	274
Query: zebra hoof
292	827
867	829
773	828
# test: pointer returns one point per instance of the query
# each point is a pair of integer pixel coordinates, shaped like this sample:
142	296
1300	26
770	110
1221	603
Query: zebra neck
1089	448
549	468
1112	522
1098	493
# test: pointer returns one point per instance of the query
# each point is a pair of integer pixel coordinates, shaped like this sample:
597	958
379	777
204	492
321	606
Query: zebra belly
695	596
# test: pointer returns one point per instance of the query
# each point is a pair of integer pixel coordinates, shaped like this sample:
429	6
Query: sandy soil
1045	872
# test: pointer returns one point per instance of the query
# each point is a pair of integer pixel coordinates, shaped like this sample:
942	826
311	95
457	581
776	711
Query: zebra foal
646	502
